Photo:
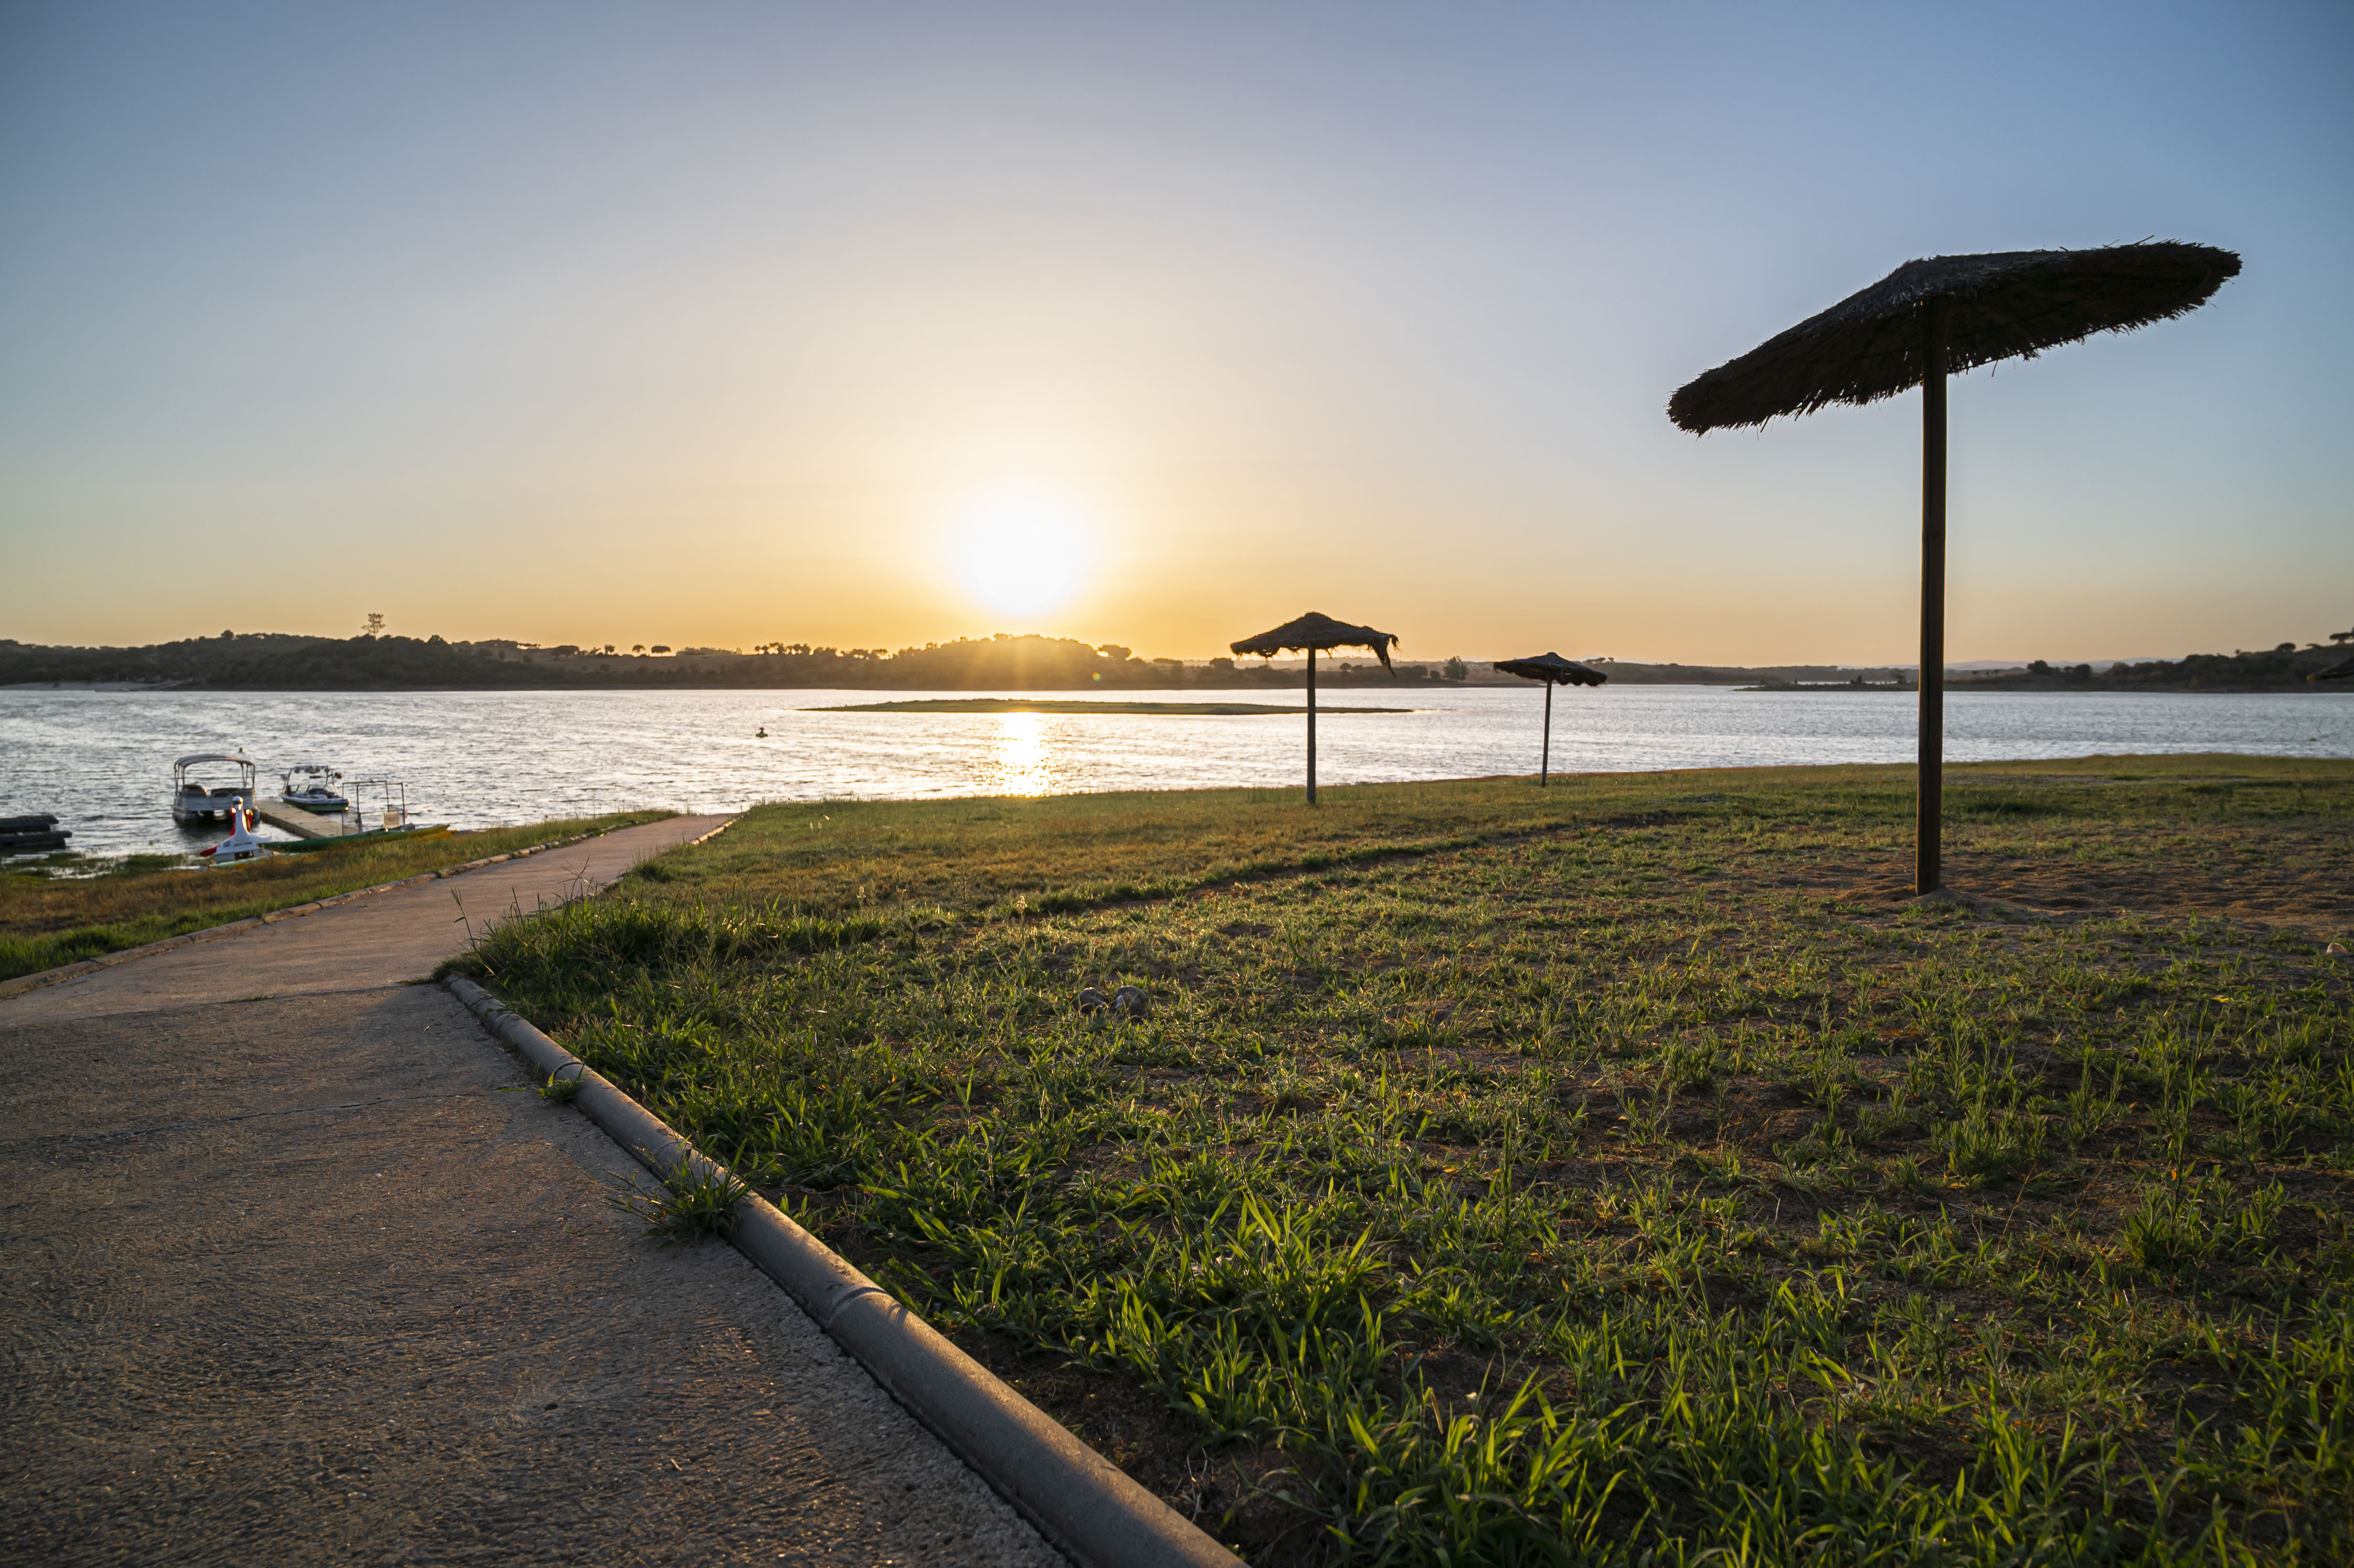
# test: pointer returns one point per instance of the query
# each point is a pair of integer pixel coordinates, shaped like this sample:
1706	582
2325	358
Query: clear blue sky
723	324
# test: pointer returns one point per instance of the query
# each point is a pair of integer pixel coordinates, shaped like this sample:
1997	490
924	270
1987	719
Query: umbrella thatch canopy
1553	670
1310	634
2341	671
1318	633
2004	306
1911	329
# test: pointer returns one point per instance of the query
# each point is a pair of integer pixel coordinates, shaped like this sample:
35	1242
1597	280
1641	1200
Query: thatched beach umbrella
1909	329
1309	633
1553	670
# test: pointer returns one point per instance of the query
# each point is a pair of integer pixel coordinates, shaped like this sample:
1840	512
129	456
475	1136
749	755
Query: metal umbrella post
1544	758
1311	726
1929	793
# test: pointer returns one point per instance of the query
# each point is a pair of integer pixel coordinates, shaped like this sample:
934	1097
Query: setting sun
1022	554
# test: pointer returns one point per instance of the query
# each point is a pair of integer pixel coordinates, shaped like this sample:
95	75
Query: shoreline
1080	707
1419	689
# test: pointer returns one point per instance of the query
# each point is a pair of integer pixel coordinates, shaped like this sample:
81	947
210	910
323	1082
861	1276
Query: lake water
102	760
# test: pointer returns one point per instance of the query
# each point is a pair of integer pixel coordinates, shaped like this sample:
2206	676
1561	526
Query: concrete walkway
295	1269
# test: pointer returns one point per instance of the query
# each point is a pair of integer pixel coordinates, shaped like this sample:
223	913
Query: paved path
294	1268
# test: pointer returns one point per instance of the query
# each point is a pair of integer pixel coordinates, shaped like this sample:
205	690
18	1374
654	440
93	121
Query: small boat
312	785
240	845
194	801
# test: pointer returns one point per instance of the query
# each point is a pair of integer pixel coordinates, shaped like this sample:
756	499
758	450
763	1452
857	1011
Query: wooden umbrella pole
1927	830
1311	726
1544	761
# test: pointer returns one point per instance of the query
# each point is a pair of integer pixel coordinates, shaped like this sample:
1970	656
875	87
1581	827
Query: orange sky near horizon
594	323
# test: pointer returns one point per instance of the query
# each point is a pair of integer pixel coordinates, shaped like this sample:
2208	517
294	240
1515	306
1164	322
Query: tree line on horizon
377	659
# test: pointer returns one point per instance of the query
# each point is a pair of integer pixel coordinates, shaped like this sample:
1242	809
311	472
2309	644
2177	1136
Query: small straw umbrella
1309	633
1553	670
1911	329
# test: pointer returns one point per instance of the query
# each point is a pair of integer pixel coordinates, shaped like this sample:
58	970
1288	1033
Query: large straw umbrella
1909	329
1553	670
1311	633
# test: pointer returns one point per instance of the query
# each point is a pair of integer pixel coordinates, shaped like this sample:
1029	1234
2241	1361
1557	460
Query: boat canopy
213	756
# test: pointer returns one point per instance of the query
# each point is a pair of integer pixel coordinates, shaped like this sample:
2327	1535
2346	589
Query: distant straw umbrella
1309	633
1553	670
1909	329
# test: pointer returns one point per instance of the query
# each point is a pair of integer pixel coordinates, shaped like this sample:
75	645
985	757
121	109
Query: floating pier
24	835
294	819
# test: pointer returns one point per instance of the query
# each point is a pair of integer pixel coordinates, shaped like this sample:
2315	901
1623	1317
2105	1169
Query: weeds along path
1647	1179
296	1267
64	908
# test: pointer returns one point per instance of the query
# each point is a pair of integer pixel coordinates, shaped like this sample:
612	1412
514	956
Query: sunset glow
726	325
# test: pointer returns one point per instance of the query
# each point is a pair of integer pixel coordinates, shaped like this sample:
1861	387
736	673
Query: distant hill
1626	673
279	662
2278	669
2281	669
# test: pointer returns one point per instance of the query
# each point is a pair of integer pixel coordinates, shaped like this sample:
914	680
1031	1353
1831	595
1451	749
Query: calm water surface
102	760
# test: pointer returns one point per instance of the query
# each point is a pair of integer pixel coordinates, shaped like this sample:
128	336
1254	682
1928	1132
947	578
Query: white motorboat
313	787
240	845
194	800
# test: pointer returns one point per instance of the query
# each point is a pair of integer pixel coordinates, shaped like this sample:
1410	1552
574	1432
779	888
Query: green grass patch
49	919
689	1206
1621	1173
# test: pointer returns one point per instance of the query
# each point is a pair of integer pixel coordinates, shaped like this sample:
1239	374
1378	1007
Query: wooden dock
294	819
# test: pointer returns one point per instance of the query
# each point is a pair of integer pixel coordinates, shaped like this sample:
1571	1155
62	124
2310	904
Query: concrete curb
1078	1499
41	977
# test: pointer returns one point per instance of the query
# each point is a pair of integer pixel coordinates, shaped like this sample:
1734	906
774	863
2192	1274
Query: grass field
48	919
1623	1172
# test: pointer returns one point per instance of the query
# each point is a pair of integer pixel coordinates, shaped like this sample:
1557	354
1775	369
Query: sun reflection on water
1020	759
